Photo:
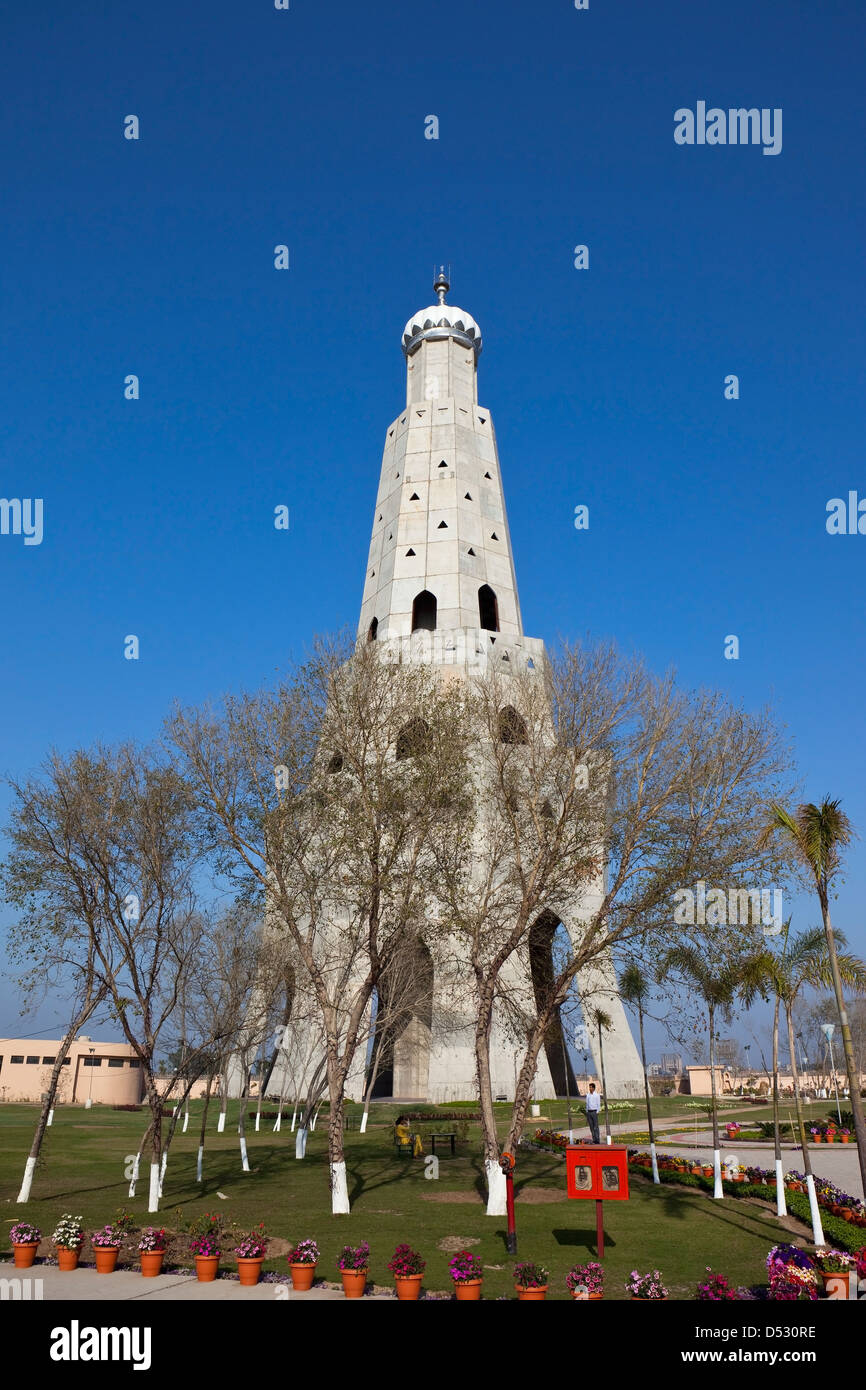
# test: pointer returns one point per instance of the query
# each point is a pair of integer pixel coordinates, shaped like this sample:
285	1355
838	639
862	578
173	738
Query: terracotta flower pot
408	1286
302	1277
106	1258
707	1171
590	1297
67	1257
250	1270
25	1254
354	1282
206	1267
696	1170
816	1138
467	1290
636	1298
151	1263
837	1285
531	1295
846	1138
845	1213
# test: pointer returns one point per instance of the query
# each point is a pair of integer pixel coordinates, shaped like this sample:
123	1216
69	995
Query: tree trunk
817	1228
199	1163
781	1207
847	1045
336	1155
646	1087
603	1084
718	1190
50	1095
496	1203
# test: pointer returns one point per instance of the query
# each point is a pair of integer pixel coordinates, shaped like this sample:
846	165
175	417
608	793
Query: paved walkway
46	1282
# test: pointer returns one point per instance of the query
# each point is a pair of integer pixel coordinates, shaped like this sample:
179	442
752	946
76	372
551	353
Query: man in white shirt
593	1103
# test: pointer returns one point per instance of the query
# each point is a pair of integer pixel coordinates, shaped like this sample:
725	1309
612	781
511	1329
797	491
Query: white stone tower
440	584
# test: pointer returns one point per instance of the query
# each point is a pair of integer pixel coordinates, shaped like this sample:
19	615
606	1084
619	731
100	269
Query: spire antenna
442	283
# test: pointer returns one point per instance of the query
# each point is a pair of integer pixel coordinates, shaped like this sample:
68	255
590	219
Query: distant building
109	1073
672	1064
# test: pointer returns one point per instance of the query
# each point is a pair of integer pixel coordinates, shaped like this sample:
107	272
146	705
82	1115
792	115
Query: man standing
593	1102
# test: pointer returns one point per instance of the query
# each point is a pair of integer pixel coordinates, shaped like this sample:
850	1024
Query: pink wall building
108	1073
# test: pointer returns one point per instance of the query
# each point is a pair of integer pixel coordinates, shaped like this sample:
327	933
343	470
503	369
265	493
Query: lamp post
747	1049
828	1029
90	1089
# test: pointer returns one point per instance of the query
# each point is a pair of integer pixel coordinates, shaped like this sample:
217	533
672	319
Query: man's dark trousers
592	1118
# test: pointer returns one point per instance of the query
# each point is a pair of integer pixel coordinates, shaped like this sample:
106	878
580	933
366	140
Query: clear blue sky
260	387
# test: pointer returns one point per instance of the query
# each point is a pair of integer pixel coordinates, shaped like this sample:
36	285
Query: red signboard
599	1171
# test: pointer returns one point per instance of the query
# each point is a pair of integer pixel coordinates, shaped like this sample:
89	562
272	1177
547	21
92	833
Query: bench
450	1136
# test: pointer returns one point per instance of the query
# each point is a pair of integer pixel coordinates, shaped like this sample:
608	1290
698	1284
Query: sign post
600	1173
506	1163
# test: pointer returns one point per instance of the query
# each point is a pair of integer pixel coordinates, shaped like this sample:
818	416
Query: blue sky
260	387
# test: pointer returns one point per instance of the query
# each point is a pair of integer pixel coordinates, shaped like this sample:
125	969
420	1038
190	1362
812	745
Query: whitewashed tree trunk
363	1129
162	1167
781	1205
199	1163
27	1180
294	1117
258	1117
221	1122
245	1162
50	1120
153	1195
718	1190
301	1141
496	1189
185	1121
135	1169
339	1190
817	1228
655	1163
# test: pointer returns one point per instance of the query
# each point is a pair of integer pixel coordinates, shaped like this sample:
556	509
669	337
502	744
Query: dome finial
442	284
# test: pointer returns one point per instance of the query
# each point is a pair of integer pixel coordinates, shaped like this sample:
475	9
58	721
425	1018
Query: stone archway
403	1037
541	964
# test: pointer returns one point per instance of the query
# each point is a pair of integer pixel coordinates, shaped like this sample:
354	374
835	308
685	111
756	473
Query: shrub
464	1265
253	1245
646	1285
529	1275
23	1233
69	1232
354	1257
306	1252
109	1238
715	1289
152	1240
406	1262
589	1276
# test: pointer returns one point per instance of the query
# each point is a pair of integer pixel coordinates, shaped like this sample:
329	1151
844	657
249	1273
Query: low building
106	1073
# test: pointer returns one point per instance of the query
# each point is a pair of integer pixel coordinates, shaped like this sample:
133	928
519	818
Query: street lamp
747	1049
828	1029
90	1090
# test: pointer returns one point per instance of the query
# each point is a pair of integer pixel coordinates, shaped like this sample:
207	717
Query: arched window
424	612
512	729
372	630
488	609
336	763
412	738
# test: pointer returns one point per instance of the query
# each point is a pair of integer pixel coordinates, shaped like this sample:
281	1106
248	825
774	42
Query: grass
87	1153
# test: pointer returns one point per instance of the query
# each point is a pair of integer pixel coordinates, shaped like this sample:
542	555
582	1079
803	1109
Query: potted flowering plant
530	1281
25	1240
352	1262
68	1237
303	1259
716	1288
792	1274
586	1281
467	1272
646	1286
250	1252
834	1267
106	1246
205	1246
407	1268
151	1249
845	1136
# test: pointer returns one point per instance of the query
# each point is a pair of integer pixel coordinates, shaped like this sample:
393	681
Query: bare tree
323	794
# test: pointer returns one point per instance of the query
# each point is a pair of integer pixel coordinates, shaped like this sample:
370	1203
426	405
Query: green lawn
679	1232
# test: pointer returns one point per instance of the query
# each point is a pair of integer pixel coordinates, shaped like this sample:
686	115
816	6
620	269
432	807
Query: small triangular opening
396	475
468	496
389	535
470	551
410	552
487	475
414	497
483	419
443	526
493	536
420	414
505	656
443	464
493	641
531	664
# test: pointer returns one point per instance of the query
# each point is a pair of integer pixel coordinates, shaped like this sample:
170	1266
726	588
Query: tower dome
441	321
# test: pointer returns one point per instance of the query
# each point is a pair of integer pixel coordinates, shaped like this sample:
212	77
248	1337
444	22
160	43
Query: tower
440	585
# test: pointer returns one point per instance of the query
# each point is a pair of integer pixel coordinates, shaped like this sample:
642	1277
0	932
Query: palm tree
818	835
718	986
634	989
601	1020
804	960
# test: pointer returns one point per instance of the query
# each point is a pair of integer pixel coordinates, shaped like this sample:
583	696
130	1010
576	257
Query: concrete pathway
47	1283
